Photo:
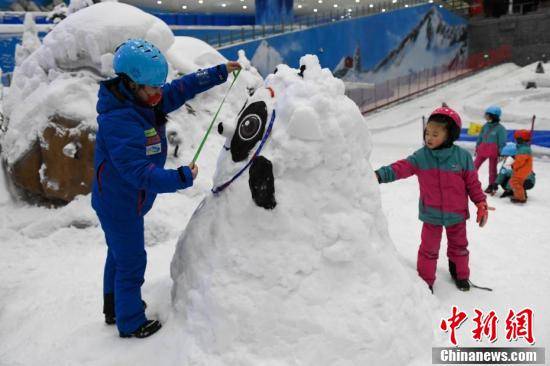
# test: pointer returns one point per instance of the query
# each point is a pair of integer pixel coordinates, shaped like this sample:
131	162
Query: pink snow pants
493	161
457	250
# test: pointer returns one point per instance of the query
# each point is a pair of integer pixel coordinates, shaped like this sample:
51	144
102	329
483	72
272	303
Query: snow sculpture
313	279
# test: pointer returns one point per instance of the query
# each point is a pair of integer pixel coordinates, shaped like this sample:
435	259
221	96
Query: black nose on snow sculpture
262	183
249	130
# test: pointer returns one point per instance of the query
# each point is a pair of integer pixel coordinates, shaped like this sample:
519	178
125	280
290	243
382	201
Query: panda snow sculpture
289	262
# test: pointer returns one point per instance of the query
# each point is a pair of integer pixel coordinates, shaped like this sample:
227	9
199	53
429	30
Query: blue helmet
509	149
142	62
494	110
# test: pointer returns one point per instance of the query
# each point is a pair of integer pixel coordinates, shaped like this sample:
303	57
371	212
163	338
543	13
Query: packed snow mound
188	54
61	76
315	280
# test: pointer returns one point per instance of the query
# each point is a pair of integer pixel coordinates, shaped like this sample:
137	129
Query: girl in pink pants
490	142
447	178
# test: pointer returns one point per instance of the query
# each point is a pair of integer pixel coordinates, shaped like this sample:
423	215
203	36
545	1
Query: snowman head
299	124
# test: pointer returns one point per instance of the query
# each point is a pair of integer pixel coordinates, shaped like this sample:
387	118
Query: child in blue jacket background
130	154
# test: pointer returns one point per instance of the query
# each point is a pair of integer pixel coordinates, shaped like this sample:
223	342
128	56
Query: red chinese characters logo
485	326
453	323
518	325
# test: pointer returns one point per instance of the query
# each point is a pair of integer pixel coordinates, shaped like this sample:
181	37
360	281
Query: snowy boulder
55	87
312	279
61	177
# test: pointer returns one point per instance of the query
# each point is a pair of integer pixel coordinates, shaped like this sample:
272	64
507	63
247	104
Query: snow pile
61	76
30	41
315	281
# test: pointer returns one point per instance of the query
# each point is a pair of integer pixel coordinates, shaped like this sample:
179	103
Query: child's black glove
378	177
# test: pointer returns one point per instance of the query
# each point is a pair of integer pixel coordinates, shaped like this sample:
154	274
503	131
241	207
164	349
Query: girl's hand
194	170
233	66
483	213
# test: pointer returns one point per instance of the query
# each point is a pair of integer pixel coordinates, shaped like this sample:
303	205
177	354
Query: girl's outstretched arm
399	170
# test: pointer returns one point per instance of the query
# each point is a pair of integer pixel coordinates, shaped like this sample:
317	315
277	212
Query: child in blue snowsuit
130	154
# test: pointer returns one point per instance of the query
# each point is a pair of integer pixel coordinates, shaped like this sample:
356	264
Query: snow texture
30	41
315	281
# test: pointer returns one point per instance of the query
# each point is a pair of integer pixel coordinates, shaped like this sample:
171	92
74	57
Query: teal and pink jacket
491	140
447	178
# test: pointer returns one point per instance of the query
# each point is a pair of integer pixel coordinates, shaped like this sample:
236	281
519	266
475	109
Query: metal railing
372	96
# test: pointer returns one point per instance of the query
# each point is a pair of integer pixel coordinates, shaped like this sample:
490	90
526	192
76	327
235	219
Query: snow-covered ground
51	260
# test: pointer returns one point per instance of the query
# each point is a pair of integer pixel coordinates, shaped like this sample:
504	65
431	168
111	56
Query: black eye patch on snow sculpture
250	129
262	183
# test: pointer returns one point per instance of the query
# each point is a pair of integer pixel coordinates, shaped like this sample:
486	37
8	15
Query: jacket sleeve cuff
221	73
186	176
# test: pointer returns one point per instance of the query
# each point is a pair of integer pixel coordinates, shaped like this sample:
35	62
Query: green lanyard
235	76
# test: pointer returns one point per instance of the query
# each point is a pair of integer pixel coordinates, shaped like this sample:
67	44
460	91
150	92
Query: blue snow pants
125	270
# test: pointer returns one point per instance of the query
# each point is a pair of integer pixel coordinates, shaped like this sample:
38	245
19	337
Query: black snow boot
147	329
452	269
507	193
491	189
109	308
463	285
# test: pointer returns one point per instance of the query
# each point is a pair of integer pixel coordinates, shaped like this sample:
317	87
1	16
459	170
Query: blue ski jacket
131	147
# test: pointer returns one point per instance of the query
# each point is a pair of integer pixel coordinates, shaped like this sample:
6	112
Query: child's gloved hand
483	213
377	177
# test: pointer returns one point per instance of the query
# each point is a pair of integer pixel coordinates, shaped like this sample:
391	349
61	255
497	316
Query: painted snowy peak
315	279
432	42
61	76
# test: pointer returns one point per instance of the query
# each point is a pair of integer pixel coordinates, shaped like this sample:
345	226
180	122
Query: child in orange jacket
522	166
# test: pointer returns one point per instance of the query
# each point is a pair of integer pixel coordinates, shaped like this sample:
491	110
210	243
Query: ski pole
235	76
